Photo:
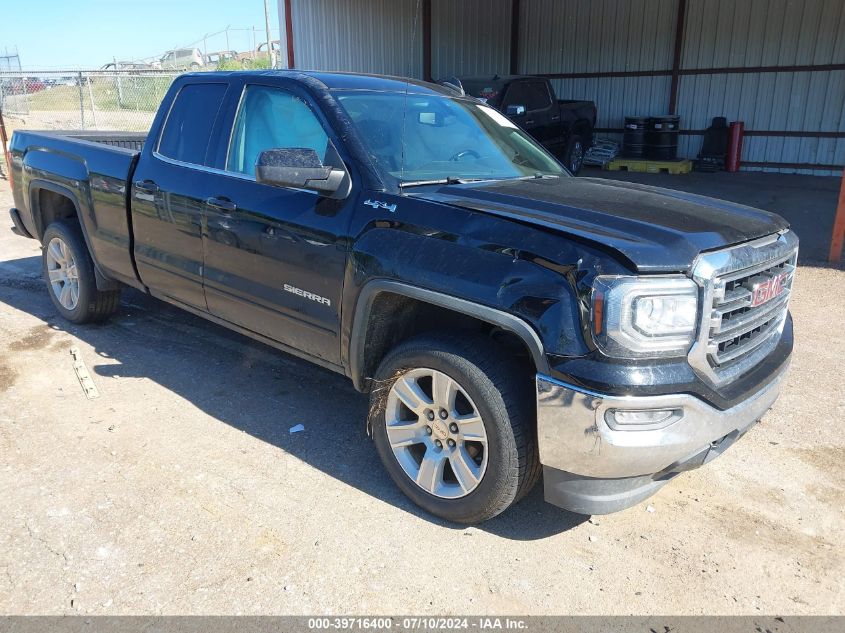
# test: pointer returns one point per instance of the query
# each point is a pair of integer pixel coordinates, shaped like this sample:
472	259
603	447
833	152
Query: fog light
641	419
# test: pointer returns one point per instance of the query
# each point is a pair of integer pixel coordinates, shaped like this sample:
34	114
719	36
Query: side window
271	118
517	94
188	126
539	97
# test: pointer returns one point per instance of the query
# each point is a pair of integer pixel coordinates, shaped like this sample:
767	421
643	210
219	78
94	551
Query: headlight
636	317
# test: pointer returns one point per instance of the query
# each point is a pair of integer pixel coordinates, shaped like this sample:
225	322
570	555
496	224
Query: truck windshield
417	138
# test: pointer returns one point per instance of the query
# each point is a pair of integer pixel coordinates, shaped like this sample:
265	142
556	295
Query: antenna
407	85
417	12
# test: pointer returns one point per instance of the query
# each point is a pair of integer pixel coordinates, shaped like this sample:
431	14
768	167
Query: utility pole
269	38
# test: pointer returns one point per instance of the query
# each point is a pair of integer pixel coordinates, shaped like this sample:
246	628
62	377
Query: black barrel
634	141
662	137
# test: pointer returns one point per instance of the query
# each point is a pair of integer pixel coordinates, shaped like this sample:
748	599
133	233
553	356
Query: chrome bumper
580	451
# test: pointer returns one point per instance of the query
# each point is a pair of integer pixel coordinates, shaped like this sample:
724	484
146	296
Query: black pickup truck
564	127
504	318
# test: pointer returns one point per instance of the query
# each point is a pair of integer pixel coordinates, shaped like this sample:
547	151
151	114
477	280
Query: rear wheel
453	425
69	273
573	155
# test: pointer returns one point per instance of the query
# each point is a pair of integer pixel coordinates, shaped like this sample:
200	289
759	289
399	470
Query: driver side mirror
515	110
300	168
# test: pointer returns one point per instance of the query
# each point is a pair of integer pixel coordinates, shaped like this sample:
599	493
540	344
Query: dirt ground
180	490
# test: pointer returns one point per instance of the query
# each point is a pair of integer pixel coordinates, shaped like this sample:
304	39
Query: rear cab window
533	95
188	128
488	90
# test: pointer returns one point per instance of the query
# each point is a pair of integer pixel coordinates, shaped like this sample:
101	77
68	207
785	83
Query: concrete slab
181	491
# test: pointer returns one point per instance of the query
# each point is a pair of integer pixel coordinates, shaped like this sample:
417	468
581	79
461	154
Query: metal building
777	65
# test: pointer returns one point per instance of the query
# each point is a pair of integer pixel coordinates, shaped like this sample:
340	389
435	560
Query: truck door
168	195
546	112
274	258
535	120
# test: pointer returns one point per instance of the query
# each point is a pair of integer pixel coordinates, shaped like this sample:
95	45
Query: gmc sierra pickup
505	318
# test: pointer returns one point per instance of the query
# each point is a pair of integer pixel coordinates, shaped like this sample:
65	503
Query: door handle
146	186
222	203
529	121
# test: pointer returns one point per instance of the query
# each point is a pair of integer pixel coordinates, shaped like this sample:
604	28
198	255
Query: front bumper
592	468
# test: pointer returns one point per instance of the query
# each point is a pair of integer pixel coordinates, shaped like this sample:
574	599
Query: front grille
745	291
736	327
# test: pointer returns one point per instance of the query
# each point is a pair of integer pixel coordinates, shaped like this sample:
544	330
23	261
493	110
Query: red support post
837	238
289	34
4	143
735	146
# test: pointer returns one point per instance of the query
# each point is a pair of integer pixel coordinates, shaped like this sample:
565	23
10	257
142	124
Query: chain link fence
122	100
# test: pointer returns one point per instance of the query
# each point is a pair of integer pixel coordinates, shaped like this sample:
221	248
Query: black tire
573	155
505	400
93	305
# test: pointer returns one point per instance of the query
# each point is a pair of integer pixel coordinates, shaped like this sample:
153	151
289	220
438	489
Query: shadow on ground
257	390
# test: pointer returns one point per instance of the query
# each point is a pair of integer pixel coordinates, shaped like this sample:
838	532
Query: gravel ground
180	490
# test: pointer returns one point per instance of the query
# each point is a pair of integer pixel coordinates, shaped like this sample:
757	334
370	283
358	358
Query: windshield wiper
452	180
449	180
538	176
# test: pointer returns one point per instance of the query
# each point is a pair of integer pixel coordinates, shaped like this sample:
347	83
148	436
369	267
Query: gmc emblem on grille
767	290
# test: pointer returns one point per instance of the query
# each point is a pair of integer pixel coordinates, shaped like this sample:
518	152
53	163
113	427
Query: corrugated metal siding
763	33
470	37
375	36
572	36
563	36
619	97
720	33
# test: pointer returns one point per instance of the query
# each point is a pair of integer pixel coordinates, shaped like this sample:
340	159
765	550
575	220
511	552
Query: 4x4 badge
376	204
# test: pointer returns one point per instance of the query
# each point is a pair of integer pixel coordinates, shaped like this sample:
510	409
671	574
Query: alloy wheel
62	273
436	433
577	157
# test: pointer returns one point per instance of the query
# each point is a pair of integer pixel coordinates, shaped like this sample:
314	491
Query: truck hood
657	230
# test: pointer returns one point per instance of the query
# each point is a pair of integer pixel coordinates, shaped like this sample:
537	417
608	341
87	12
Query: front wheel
69	273
453	424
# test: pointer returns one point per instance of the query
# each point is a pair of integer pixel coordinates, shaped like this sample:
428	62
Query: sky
53	34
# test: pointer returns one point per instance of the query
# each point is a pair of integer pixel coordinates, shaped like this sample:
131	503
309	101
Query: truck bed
94	169
126	140
582	109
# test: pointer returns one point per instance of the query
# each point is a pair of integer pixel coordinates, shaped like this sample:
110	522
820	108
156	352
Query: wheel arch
369	339
61	203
